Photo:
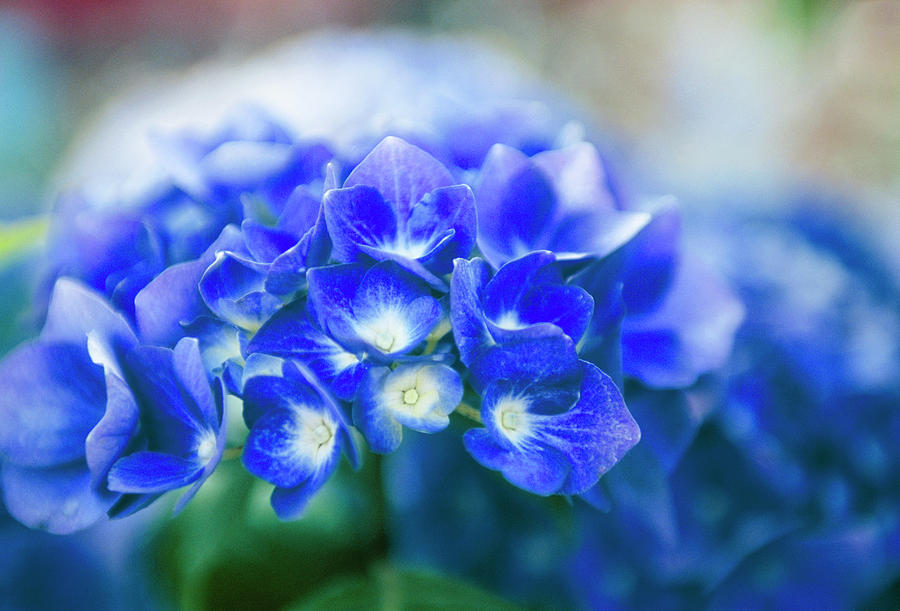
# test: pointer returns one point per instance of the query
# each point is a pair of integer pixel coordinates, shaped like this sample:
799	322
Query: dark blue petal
152	472
266	243
516	205
689	334
234	288
60	500
290	334
402	173
51	396
504	292
358	216
448	208
466	315
550	359
331	291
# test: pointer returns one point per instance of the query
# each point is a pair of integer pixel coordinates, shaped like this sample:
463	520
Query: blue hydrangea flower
297	434
88	414
401	204
553	439
419	396
360	316
527	298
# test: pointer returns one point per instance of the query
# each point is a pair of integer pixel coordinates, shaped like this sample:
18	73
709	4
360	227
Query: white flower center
410	396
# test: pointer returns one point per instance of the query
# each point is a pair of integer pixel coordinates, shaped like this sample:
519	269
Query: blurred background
748	109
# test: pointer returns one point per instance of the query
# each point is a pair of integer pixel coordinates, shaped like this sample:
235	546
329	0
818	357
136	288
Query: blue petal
568	307
59	500
541	474
689	334
596	433
286	446
378	426
448	208
653	259
504	292
414	395
516	205
234	288
173	297
76	311
393	310
152	472
402	173
170	417
414	266
331	292
51	396
107	441
265	393
192	375
266	243
579	178
591	436
466	316
550	358
245	164
221	442
358	216
289	334
290	503
595	234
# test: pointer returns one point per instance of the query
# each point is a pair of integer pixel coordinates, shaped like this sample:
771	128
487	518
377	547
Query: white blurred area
732	102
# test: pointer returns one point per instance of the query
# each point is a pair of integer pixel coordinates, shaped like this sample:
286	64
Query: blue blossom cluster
284	299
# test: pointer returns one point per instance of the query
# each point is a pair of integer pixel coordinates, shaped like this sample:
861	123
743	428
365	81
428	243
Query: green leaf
394	589
20	236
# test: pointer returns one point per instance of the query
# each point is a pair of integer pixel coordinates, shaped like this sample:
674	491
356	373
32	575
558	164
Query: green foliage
19	248
228	550
392	588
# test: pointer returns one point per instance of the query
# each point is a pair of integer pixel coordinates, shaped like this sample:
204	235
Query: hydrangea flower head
400	203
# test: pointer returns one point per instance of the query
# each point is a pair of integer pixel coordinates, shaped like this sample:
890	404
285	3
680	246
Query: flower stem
464	409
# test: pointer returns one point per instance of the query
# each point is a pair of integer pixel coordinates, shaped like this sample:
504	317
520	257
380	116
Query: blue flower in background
556	200
297	435
401	204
